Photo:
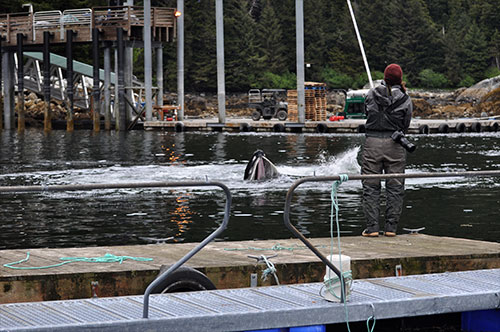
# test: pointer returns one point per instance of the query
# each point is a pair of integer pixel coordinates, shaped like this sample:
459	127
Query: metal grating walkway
262	308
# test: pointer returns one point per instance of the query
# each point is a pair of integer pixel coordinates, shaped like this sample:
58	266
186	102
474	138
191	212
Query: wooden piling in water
70	121
96	94
47	119
20	84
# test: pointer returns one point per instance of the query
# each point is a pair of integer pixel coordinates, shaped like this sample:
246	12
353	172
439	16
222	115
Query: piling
1	96
221	89
20	84
159	75
8	89
299	26
47	123
180	60
121	115
70	121
148	67
96	93
107	87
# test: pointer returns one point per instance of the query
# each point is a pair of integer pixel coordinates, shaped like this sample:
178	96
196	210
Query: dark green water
458	207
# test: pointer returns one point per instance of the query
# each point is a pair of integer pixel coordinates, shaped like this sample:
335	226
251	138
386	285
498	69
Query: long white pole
360	44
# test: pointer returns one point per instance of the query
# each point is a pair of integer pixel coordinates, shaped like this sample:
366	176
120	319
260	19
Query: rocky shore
480	100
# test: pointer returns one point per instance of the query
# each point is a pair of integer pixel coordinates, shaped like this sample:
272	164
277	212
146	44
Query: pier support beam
96	93
121	116
1	95
299	26
180	60
159	75
148	62
8	88
116	99
70	121
221	89
107	87
20	84
47	119
128	68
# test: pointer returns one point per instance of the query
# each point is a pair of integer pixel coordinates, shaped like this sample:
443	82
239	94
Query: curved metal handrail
288	201
190	254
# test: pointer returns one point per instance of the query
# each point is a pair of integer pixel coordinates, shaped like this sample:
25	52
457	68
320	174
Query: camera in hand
399	137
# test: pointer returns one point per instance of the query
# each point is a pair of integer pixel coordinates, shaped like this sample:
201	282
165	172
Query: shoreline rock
482	101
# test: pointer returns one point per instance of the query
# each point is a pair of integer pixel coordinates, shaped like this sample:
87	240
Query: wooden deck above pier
81	21
227	264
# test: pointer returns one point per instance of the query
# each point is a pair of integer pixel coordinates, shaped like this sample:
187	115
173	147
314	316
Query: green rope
345	277
276	247
368	324
107	258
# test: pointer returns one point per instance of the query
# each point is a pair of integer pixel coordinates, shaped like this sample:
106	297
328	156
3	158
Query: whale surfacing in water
260	168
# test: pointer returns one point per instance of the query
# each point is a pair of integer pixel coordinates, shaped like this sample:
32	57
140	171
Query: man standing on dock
388	110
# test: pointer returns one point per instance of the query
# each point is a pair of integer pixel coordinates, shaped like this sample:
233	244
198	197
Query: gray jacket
380	122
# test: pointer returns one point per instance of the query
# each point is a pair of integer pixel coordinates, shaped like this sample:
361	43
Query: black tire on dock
279	128
245	127
321	128
361	128
460	127
179	127
494	126
475	127
443	128
423	129
183	279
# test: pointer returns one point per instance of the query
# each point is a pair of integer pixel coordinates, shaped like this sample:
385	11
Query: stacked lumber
315	98
293	111
315	101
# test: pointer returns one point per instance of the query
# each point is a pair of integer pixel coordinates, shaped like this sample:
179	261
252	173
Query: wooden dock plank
227	263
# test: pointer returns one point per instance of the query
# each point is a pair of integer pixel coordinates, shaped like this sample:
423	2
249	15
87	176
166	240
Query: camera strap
392	107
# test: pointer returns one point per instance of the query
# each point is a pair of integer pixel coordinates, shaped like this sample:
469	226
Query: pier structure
417	126
121	28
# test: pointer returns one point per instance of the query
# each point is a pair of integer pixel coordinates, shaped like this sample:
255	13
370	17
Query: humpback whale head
260	168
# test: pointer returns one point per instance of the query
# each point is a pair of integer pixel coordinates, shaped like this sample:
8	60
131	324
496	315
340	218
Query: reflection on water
181	215
445	206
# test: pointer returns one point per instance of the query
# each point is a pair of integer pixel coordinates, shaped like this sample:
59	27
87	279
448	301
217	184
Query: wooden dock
417	126
228	266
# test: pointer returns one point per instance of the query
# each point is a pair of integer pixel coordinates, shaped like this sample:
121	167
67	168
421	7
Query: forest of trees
438	43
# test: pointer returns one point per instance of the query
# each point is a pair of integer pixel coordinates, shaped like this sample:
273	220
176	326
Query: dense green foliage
438	43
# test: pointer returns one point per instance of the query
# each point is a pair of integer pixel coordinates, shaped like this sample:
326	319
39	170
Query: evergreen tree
495	48
200	56
240	52
414	39
475	51
269	41
285	12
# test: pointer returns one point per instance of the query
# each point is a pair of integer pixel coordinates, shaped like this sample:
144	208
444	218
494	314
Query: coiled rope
269	270
107	258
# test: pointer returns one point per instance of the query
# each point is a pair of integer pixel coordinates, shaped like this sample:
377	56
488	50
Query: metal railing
163	276
46	21
76	18
32	24
128	16
289	195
